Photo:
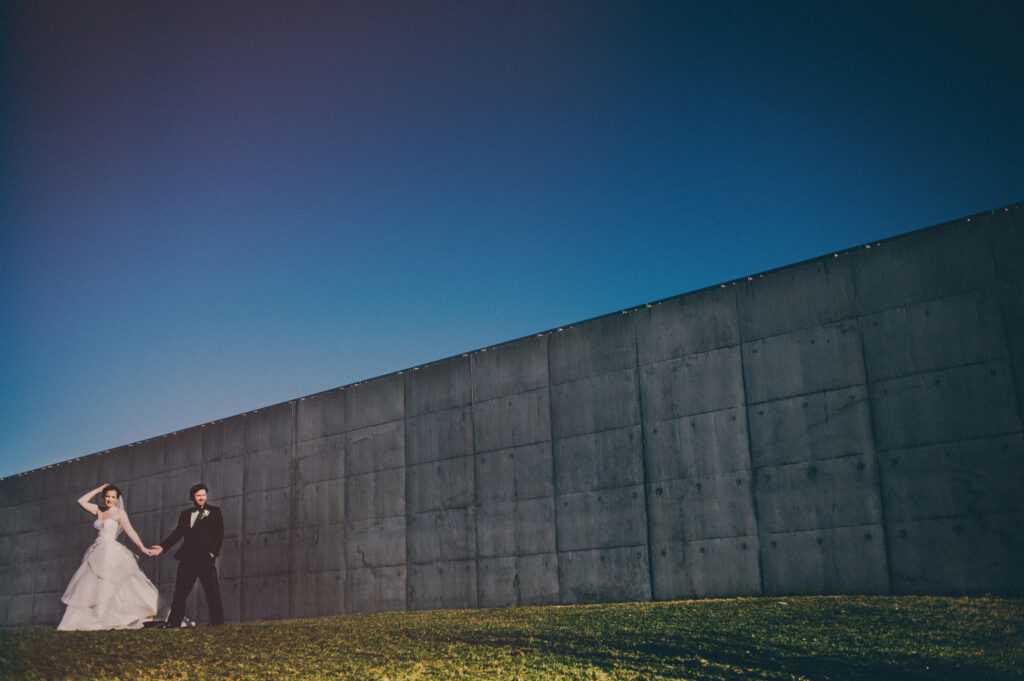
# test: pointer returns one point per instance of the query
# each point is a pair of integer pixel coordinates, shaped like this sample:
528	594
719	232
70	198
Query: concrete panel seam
752	487
554	477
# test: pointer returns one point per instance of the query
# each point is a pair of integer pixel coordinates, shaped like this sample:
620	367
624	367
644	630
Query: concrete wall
850	424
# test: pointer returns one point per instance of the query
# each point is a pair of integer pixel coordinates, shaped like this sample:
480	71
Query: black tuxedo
197	560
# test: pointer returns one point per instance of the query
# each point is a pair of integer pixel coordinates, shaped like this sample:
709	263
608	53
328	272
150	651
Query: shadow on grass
734	654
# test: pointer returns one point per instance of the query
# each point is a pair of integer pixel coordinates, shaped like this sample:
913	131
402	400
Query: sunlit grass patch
858	638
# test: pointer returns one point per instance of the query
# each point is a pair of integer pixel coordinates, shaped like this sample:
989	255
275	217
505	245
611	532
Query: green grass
858	638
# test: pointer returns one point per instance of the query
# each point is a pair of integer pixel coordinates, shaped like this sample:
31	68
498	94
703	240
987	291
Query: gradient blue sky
211	207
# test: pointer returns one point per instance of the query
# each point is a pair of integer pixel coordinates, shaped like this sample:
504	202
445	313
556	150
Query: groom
202	528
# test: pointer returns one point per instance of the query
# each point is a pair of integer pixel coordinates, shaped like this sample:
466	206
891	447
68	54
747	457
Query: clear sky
211	207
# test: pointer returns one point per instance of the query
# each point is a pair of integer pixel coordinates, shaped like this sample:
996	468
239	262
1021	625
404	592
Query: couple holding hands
109	591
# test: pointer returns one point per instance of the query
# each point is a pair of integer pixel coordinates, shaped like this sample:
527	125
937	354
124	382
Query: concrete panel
497	582
687	325
604	575
321	415
231	597
265	470
224	439
593	348
375	543
440	536
7	518
229	562
439	485
265	554
817	426
149	525
375	448
806	361
6	544
267	511
264	598
18	578
595	404
510	369
231	509
810	294
439	435
31	516
375	495
448	585
1011	304
512	421
318	594
19	611
47	609
320	459
508	528
538	579
224	477
170	489
1007	230
944	406
496	525
143	459
976	477
917	339
816	495
25	543
709	381
183	449
147	494
517	473
603	519
375	589
47	575
372	403
270	428
935	263
318	549
705	569
319	504
842	560
708	508
979	554
440	386
609	459
697	446
22	488
50	543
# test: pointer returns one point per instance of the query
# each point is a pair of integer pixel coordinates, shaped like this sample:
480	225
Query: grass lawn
847	637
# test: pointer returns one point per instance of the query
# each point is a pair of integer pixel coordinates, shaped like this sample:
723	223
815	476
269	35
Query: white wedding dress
109	591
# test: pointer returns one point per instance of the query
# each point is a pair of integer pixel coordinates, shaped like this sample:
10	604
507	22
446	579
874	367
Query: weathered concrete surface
849	424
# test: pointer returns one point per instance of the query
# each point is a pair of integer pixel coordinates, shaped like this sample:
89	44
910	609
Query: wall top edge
1013	207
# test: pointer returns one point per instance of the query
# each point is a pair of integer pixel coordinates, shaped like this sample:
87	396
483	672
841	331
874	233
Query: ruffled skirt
109	591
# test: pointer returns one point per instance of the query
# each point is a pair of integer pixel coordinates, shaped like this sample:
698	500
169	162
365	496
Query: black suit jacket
201	539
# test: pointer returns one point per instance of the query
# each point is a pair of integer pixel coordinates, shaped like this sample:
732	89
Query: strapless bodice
108	528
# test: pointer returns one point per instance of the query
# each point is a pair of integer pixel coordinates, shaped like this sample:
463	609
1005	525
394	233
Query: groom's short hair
195	488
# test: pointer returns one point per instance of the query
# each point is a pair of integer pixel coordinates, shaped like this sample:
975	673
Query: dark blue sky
210	207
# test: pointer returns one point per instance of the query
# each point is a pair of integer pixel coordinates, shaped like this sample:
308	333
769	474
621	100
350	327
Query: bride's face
110	497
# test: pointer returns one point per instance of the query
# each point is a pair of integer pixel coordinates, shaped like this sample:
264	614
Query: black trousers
188	572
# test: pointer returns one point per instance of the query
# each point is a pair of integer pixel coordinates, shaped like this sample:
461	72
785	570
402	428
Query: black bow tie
200	509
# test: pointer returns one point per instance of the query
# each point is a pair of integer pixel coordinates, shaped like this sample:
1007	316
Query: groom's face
200	497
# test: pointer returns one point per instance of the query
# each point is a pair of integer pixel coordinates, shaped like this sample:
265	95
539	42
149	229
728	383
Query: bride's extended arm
126	525
84	502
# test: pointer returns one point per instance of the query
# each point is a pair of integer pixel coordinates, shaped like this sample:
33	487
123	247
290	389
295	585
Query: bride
109	591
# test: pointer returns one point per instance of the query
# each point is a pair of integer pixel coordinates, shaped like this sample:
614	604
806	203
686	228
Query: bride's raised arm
126	525
84	502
